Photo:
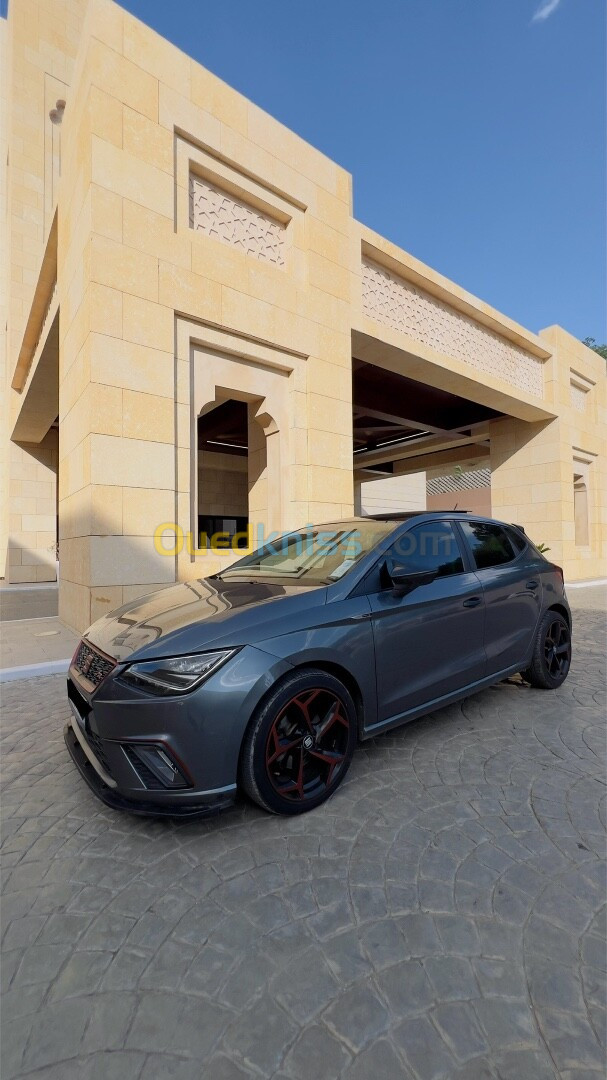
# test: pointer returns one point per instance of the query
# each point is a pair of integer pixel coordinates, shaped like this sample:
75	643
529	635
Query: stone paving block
146	1033
383	943
436	896
554	985
204	974
406	988
379	1060
14	1042
245	980
345	957
234	934
107	931
507	1023
58	1033
452	978
81	975
23	932
63	927
259	1036
109	1022
305	988
420	934
168	966
358	1016
460	1029
500	978
526	1065
125	970
41	964
90	899
316	1053
199	1027
423	1049
300	899
268	912
330	920
458	934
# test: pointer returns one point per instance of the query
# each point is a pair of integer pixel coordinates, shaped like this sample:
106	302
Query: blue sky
474	131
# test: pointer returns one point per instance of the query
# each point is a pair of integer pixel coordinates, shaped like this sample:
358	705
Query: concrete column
258	475
532	481
32	535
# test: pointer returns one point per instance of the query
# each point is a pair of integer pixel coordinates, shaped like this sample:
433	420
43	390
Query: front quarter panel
342	637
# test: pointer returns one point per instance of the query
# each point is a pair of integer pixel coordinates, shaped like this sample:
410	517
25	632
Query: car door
428	642
512	588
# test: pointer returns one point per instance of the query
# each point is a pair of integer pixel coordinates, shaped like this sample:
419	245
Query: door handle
532	585
359	618
473	601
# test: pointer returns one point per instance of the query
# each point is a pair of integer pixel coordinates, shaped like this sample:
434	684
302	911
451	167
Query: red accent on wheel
307	744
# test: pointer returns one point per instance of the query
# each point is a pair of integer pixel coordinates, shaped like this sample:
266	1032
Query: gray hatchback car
265	676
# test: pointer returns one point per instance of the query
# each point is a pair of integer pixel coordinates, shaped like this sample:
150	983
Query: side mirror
406	580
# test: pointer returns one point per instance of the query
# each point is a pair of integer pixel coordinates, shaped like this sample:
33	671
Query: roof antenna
455	507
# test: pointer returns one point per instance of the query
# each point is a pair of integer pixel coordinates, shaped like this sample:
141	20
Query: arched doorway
238	475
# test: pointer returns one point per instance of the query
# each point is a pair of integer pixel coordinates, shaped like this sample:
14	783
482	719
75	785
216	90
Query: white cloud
545	10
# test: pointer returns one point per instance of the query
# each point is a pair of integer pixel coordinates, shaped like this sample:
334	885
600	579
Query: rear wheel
551	653
299	744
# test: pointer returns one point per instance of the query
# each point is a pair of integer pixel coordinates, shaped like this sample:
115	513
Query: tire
551	658
299	743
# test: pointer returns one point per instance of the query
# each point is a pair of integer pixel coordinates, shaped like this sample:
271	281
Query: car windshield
316	555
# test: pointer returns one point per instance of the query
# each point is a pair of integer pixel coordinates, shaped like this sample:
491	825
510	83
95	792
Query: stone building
199	333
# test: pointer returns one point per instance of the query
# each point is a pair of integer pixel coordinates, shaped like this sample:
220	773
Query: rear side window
518	542
490	544
432	546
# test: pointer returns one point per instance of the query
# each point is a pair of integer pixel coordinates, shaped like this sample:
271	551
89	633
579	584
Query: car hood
195	615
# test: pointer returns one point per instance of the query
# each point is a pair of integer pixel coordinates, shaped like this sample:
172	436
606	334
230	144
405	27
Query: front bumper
92	771
201	733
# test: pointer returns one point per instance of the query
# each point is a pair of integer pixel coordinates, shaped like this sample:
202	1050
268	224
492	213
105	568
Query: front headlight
177	674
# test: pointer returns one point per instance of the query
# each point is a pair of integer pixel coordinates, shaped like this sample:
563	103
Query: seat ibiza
265	676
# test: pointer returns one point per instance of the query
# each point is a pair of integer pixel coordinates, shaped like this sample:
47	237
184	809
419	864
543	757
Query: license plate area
78	718
78	704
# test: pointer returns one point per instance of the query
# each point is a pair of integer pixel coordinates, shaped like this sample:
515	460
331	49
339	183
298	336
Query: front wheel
299	743
551	653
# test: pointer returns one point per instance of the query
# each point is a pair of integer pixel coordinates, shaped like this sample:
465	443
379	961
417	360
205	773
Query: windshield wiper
269	571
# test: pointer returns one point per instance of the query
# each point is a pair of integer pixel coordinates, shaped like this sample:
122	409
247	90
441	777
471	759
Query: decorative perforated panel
443	485
219	214
579	397
397	303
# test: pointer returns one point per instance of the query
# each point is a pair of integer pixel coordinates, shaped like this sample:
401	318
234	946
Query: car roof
406	514
409	515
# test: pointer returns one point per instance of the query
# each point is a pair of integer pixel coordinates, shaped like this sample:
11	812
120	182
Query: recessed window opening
223	476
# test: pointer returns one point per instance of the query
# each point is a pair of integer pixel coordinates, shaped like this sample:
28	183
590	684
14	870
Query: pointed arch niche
238	401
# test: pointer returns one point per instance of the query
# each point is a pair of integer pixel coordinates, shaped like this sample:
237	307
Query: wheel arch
331	668
347	678
560	610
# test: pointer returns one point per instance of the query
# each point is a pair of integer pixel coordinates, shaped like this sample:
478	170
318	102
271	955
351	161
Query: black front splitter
143	809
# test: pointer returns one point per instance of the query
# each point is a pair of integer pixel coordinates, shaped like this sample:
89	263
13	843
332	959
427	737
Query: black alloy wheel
300	743
551	653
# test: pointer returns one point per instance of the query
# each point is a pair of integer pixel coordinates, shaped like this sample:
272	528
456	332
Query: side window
490	544
518	542
431	546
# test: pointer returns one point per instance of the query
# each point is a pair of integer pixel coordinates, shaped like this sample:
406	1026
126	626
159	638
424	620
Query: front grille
147	777
92	665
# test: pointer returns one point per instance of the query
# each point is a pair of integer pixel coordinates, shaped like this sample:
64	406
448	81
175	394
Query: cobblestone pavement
441	916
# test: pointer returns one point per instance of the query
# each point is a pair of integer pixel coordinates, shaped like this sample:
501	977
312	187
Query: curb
30	671
585	584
